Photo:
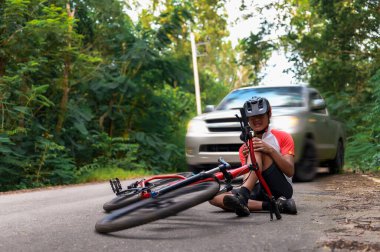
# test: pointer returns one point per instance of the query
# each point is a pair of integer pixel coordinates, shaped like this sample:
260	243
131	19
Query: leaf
81	128
22	109
4	149
5	139
40	89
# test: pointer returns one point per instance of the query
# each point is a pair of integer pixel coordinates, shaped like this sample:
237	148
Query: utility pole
196	77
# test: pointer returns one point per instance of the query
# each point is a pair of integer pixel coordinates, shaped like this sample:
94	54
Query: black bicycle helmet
257	106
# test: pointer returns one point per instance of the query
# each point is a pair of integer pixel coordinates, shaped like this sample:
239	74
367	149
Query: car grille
219	147
223	125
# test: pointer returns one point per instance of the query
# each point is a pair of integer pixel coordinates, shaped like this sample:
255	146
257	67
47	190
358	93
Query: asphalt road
63	219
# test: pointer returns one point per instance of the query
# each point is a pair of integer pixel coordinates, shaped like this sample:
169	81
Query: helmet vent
261	104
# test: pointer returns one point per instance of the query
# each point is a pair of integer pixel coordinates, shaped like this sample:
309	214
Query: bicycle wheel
122	200
161	207
133	196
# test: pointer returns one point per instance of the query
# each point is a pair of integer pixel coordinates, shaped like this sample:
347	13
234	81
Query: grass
97	175
104	174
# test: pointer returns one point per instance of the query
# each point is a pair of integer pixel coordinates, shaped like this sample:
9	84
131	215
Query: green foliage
102	174
256	52
163	128
33	161
84	91
114	151
11	163
215	90
156	154
364	145
335	45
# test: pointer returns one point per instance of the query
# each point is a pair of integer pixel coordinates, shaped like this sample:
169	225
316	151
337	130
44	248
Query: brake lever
245	130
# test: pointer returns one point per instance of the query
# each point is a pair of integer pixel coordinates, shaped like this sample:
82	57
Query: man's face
259	122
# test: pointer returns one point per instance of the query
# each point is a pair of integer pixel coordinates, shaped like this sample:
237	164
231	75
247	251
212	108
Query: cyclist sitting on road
274	153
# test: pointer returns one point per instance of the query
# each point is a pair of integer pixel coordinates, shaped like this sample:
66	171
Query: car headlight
285	122
197	126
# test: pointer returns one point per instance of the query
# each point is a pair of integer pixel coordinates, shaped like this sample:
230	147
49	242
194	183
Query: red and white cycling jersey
281	141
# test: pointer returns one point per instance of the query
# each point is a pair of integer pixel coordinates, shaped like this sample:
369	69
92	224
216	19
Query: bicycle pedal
116	185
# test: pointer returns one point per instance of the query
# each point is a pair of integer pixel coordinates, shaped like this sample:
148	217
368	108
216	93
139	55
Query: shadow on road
323	173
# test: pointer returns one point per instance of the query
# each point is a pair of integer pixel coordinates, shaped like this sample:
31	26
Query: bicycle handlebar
223	164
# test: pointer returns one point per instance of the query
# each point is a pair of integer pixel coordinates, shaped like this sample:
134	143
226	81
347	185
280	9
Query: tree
336	44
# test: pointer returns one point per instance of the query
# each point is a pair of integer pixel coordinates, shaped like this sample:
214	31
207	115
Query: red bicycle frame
257	170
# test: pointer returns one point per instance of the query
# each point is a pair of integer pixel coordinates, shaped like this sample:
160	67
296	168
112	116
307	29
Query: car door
324	132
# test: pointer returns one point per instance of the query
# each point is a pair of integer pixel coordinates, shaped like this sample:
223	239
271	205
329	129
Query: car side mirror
318	104
209	108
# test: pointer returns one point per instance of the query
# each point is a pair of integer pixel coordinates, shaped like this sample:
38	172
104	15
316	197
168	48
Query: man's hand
259	145
245	135
245	151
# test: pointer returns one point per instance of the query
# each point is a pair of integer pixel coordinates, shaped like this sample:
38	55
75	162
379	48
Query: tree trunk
66	76
2	67
2	73
105	115
65	97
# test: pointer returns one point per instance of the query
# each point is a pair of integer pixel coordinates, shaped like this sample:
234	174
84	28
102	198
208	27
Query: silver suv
298	110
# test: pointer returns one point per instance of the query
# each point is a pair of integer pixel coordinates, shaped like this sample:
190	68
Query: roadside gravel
356	212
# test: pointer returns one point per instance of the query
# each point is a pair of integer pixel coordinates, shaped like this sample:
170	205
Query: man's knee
267	161
217	201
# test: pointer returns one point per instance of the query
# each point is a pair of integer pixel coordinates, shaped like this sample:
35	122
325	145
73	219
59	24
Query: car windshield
277	96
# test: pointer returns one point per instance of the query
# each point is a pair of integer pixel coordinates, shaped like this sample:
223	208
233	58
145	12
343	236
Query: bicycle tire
121	201
153	209
131	197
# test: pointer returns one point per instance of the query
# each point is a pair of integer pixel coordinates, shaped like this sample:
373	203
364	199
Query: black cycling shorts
277	182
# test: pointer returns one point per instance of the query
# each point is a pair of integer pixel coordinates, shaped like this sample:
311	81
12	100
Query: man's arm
285	163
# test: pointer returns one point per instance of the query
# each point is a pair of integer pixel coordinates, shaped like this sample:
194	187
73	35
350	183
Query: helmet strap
261	131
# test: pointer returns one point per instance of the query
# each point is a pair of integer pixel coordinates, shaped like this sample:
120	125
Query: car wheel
306	168
336	165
